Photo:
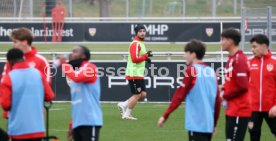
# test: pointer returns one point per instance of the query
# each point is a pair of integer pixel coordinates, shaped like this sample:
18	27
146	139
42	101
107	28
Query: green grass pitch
144	129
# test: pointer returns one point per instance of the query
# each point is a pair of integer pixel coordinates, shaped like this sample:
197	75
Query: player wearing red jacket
200	89
84	83
22	39
24	88
262	86
235	88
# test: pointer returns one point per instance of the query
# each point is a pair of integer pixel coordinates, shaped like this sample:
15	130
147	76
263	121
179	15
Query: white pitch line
59	130
57	109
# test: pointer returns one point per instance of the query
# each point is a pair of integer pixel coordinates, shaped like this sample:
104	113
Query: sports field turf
109	47
144	129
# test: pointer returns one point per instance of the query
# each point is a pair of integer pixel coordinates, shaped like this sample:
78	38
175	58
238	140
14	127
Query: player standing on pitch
24	88
262	87
87	117
22	39
138	55
235	88
200	88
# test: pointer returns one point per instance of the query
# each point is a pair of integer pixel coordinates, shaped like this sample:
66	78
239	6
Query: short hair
232	34
139	27
197	47
14	54
22	34
85	51
260	39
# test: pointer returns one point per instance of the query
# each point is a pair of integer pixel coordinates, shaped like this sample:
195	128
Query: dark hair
260	39
22	34
86	52
139	27
232	34
197	47
14	54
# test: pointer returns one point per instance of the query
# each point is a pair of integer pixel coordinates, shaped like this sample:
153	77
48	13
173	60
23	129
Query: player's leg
122	106
139	92
90	133
76	134
236	128
3	135
195	136
254	125
271	123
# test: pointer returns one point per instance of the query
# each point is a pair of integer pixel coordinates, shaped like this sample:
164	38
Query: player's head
230	38
21	38
259	44
14	56
194	50
79	54
140	31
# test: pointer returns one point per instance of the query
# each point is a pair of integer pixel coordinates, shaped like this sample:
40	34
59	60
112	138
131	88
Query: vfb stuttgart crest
209	31
92	31
269	67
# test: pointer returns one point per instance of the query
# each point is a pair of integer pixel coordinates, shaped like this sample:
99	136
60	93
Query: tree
104	8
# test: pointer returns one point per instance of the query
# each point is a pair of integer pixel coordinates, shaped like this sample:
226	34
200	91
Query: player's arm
48	92
240	71
7	69
87	74
134	52
180	94
6	92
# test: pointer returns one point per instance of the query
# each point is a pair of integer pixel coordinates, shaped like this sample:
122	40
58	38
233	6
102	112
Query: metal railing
215	56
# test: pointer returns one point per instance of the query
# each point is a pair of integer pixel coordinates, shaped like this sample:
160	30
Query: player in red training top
262	86
22	39
235	88
201	94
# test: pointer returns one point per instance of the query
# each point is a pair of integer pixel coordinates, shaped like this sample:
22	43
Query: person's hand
214	131
70	135
272	112
62	58
59	60
149	53
148	60
161	122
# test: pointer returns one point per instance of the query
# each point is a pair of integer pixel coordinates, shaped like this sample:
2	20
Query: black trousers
255	125
236	128
196	136
86	133
3	135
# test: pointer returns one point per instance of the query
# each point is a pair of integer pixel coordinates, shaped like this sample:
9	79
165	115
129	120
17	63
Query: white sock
125	103
128	112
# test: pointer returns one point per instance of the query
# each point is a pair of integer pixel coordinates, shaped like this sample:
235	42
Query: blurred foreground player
24	88
135	71
87	117
200	90
22	39
262	87
235	88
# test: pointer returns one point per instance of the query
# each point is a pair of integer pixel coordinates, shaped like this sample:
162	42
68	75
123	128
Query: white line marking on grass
59	130
57	109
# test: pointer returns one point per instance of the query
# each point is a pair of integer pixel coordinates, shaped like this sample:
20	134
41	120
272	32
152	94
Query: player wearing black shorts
137	58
